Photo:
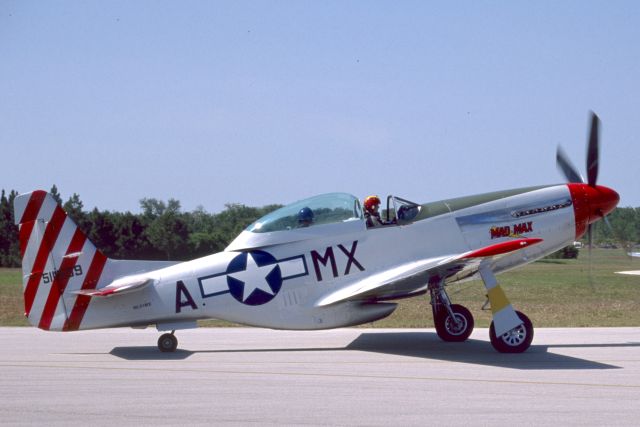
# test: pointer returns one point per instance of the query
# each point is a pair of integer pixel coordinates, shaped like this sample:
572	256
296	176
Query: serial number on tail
66	273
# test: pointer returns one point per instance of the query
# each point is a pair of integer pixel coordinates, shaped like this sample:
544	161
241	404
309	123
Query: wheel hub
515	337
456	326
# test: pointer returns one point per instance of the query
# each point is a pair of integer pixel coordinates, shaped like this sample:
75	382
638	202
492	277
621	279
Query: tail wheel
167	343
454	330
516	340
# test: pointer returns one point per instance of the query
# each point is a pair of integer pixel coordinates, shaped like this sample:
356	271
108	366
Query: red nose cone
603	200
591	204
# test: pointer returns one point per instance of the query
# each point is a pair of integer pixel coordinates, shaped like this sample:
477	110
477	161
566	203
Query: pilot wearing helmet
305	217
371	213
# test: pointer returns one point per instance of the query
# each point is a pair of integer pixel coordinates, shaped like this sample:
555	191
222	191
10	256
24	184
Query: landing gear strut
167	343
511	331
454	323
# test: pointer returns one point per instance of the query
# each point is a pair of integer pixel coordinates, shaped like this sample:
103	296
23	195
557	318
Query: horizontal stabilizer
118	287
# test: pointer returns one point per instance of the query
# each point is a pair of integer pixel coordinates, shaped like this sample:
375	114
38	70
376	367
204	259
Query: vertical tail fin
57	258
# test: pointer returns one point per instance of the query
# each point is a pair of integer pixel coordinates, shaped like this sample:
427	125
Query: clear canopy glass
323	209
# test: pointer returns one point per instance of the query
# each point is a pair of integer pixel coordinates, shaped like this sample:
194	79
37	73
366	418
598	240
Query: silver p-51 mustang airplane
325	270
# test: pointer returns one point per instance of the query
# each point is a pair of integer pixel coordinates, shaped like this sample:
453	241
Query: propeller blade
592	151
590	237
566	167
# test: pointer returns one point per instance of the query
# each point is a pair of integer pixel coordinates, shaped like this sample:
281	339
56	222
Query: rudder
57	259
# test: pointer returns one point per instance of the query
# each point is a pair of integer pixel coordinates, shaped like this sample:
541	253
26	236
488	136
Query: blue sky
262	102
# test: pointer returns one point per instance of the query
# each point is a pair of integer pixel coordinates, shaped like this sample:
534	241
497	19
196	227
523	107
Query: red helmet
371	202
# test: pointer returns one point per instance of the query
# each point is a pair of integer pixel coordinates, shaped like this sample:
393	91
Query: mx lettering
330	258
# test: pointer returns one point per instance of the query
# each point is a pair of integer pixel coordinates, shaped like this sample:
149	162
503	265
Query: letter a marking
181	290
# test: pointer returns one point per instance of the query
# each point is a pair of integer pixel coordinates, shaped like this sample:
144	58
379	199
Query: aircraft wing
118	287
413	278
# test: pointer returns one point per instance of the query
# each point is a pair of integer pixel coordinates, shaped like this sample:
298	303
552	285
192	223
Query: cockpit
331	208
324	209
400	211
326	214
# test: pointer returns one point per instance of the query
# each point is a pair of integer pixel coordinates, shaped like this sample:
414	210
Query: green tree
102	231
624	228
73	207
55	194
203	237
132	241
167	232
9	243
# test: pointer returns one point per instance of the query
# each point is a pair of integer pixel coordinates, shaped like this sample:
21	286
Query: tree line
161	231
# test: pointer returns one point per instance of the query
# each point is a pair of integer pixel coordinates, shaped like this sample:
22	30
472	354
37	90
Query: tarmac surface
246	376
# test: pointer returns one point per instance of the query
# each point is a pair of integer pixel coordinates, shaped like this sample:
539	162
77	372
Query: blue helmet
305	215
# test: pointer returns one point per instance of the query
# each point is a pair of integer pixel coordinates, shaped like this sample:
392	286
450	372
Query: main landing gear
167	343
454	323
510	332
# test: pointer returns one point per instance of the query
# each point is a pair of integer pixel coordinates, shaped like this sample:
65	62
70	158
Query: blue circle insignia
254	278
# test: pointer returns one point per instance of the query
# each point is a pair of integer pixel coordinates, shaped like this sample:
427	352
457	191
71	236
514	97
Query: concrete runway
244	376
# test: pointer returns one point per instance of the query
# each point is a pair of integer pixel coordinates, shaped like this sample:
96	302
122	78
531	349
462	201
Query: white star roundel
254	278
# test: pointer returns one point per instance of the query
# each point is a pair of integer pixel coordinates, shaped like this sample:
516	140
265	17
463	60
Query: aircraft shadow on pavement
148	353
152	353
425	345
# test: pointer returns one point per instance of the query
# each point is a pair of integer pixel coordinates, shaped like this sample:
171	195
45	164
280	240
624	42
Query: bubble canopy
326	209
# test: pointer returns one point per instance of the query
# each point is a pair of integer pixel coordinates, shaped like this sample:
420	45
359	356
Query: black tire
516	340
167	343
450	331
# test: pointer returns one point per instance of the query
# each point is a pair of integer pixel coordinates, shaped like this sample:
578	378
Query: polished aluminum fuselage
316	261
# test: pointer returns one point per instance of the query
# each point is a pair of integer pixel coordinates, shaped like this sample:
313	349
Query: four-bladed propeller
594	201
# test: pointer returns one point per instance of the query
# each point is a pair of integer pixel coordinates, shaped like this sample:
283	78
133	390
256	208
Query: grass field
11	305
553	293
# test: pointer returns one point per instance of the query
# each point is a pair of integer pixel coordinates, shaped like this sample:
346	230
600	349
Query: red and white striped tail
57	259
